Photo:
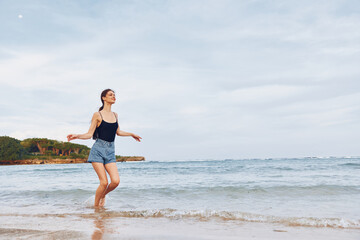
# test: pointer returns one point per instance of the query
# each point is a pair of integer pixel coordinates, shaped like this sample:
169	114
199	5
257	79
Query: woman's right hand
72	137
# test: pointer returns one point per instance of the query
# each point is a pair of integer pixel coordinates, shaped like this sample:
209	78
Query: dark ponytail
103	94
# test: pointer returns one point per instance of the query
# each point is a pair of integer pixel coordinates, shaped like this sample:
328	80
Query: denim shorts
102	152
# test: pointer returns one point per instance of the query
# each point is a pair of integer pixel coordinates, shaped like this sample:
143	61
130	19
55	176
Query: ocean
38	201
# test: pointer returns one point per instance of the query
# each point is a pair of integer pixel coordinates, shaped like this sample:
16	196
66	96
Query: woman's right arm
91	131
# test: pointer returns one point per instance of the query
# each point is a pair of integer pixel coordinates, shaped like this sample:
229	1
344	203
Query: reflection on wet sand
99	227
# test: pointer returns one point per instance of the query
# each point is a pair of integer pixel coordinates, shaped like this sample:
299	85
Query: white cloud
205	79
261	94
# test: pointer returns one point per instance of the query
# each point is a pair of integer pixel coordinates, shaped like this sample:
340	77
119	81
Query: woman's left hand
136	137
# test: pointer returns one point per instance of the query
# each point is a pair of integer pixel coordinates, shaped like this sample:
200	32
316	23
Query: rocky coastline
63	161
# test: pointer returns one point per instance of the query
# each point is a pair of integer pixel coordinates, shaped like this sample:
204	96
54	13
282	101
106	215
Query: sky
197	80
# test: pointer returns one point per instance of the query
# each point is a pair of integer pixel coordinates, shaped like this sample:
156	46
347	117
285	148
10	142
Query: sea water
314	192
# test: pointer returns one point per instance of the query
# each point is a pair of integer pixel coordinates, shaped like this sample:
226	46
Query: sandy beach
100	226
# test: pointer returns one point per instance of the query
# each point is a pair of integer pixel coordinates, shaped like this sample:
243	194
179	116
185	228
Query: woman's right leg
100	171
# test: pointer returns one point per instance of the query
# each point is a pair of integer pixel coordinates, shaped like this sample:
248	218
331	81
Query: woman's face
110	97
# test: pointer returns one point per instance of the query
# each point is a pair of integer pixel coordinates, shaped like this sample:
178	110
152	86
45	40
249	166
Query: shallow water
308	192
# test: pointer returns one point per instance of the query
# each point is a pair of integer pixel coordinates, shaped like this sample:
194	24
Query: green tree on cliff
46	146
11	149
30	145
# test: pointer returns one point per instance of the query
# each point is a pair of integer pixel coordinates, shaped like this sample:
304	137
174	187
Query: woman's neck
107	107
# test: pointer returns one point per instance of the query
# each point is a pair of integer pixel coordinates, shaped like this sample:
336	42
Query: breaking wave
209	215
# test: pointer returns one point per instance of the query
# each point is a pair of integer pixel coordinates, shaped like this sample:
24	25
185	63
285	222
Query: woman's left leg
112	170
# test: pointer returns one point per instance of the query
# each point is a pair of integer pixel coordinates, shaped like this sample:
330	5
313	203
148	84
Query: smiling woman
104	126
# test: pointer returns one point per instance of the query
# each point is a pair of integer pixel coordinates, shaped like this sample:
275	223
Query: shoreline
98	225
64	161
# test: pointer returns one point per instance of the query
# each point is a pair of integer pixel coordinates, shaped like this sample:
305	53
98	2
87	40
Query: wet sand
101	226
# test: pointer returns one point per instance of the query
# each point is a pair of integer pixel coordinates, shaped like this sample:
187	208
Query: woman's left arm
123	133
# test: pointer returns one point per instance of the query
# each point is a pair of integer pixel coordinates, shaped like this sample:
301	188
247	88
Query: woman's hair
103	94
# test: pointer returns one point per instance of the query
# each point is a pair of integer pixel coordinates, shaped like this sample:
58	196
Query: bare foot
102	202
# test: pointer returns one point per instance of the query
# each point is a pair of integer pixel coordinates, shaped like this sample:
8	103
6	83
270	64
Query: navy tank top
107	131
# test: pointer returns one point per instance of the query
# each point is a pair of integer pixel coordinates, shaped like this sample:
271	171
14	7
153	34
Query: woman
104	126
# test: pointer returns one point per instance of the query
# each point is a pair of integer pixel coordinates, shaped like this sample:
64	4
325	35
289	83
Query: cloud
204	79
261	94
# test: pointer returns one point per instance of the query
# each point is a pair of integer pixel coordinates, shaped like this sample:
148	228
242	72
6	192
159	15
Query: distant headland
46	151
